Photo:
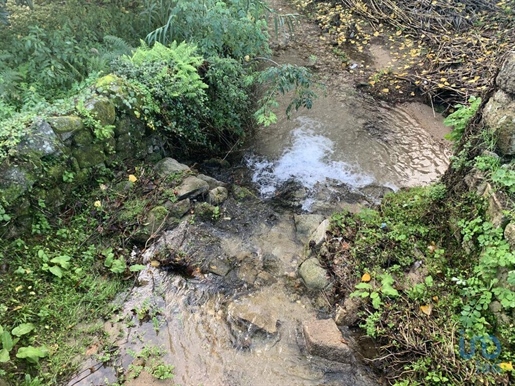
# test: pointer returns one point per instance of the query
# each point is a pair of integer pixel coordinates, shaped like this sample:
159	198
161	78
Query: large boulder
506	78
168	166
40	141
499	116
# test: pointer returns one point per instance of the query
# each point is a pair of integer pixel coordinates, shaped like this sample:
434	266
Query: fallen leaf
366	277
97	204
155	263
132	178
427	309
506	366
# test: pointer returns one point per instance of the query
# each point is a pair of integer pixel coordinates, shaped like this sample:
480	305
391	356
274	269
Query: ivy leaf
63	261
4	356
23	329
57	271
32	354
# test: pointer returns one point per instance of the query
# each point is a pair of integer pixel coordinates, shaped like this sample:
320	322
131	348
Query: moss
103	110
66	126
242	193
90	156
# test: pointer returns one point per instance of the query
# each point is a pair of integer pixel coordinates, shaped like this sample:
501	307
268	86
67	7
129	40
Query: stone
305	225
242	193
319	236
347	315
41	140
254	312
168	166
66	126
323	339
14	182
217	195
191	187
313	275
102	109
212	182
499	116
90	155
82	138
179	208
509	234
219	266
495	210
506	77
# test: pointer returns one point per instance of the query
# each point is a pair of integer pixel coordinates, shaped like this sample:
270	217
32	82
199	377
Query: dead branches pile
462	41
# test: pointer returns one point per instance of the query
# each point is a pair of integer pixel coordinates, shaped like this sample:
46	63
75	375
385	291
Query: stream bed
239	319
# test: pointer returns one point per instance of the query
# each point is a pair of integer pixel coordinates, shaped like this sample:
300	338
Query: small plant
29	353
153	363
460	118
377	294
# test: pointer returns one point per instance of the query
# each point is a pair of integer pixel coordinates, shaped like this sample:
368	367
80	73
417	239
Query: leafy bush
233	28
460	118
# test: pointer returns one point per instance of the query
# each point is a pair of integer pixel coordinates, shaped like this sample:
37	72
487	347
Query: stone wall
59	154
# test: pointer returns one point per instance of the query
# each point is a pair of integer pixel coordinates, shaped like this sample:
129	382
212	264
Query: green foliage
460	118
153	363
233	28
4	13
29	353
377	293
281	80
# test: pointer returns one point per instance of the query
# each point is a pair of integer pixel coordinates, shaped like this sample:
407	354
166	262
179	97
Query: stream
239	320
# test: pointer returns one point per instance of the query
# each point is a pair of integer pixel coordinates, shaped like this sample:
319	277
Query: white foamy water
308	160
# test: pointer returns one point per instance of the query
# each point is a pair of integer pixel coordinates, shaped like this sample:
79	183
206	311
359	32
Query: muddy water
350	139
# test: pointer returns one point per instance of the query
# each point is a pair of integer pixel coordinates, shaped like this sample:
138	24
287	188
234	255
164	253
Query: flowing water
240	322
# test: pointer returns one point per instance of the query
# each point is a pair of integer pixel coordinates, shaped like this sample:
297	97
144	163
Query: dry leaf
366	277
132	178
427	309
506	366
155	263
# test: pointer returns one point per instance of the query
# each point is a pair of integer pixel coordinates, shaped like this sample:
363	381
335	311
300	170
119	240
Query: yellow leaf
427	309
435	298
17	289
506	366
366	277
398	33
97	204
155	263
137	113
132	178
376	33
385	90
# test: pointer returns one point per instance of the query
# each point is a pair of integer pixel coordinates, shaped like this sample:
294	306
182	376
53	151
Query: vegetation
428	284
189	69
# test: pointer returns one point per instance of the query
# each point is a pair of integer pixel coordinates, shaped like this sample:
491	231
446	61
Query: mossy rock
103	110
207	212
90	156
82	138
66	126
14	182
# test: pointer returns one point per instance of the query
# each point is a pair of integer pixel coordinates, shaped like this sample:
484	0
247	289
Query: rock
323	339
348	314
65	127
191	187
375	192
14	182
305	225
179	208
319	236
102	109
169	166
313	275
155	222
255	312
506	78
219	266
499	116
41	140
242	193
495	210
89	156
217	195
509	234
212	182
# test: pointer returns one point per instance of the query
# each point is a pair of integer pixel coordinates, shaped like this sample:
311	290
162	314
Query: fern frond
117	45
